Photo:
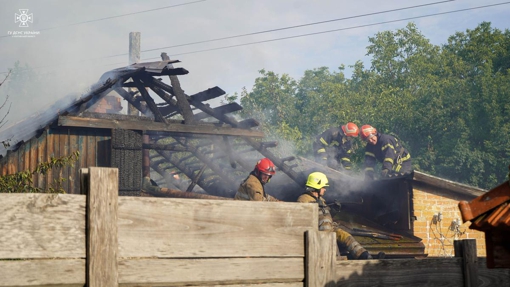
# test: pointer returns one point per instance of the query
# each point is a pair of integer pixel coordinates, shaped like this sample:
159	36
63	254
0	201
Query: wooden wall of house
428	202
94	146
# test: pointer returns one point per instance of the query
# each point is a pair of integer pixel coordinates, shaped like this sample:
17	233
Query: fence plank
180	272
42	226
293	284
320	258
466	249
177	228
102	206
52	272
413	272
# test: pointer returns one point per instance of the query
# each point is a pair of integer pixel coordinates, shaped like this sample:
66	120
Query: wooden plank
72	121
90	153
102	242
34	148
225	109
212	228
466	249
180	272
42	226
50	272
74	174
49	154
492	277
292	284
64	151
207	94
41	157
320	258
411	272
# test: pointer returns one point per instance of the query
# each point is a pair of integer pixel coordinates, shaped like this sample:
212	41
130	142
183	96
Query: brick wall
108	104
437	236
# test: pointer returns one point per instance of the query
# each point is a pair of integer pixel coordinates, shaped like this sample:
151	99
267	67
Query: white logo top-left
23	18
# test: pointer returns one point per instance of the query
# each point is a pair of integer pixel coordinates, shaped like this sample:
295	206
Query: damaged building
170	144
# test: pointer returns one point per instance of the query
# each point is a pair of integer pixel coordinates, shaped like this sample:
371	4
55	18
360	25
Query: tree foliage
448	104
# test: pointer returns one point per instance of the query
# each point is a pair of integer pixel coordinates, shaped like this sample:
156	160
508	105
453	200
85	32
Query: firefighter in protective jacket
334	146
252	188
387	149
315	189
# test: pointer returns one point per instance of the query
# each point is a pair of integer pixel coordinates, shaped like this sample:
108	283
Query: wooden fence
104	240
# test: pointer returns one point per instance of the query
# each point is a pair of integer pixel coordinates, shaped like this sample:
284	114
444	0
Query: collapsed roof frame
197	134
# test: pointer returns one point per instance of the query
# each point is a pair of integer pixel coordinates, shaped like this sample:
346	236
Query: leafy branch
22	182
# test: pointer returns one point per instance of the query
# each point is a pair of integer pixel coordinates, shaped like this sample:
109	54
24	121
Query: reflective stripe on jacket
389	151
333	143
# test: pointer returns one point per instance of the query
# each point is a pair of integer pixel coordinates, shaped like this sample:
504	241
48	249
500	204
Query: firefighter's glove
385	173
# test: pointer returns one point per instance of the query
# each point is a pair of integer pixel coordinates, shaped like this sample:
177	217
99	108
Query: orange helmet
266	166
350	129
367	131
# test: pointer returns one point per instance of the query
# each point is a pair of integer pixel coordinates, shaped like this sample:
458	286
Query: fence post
467	250
102	242
320	258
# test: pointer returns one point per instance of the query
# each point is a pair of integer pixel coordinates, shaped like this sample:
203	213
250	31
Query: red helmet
367	131
266	166
350	129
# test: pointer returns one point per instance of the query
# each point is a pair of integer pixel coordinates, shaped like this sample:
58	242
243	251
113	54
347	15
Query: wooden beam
320	258
149	101
182	102
170	147
225	109
43	272
102	241
212	228
57	229
212	272
466	249
71	121
207	94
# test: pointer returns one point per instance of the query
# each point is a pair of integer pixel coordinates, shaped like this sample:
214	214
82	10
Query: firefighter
334	146
387	149
252	188
314	190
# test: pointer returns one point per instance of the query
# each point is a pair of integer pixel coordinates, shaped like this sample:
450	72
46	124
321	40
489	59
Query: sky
74	42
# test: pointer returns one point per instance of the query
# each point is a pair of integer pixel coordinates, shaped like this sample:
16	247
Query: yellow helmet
317	180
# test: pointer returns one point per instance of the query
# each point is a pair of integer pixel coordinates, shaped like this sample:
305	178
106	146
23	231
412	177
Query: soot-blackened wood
182	102
183	169
169	147
126	155
211	165
208	94
297	177
130	98
225	109
196	178
248	123
172	104
149	101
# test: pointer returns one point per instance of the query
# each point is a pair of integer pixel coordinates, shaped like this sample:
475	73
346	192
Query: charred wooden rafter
182	102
